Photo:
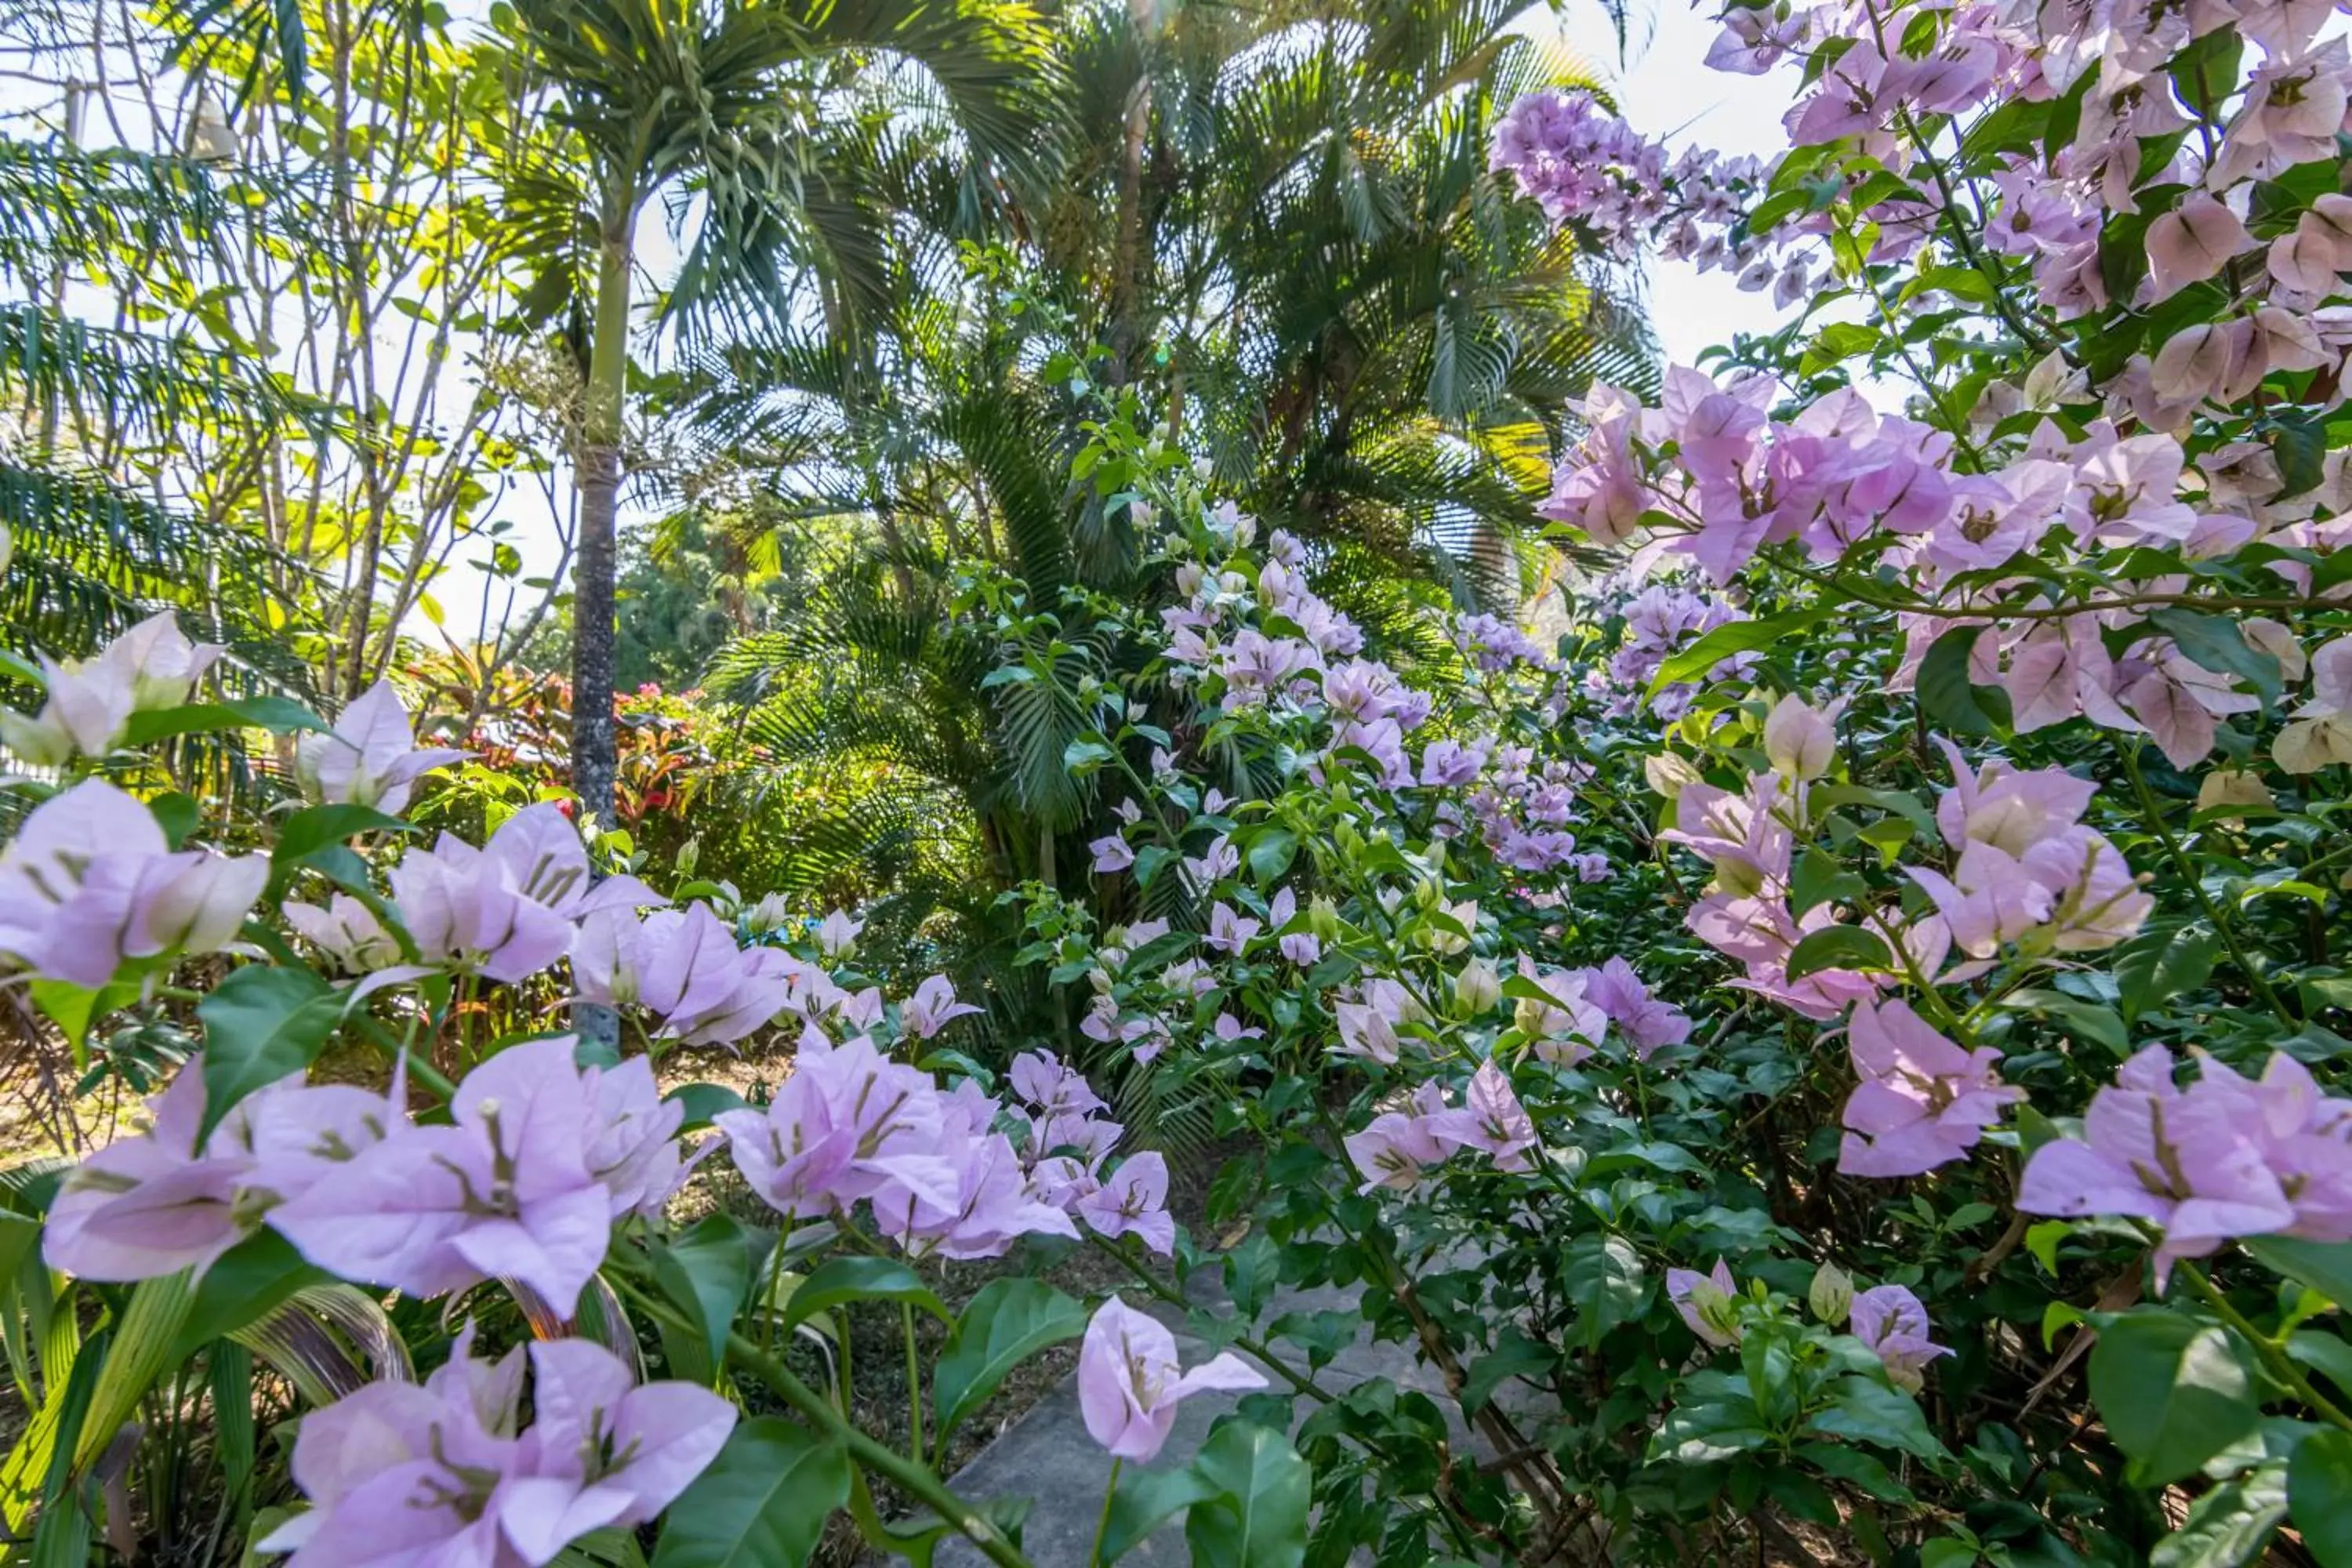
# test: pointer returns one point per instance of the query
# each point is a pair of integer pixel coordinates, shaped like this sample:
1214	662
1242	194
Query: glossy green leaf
2172	1391
261	1023
1256	1516
1005	1325
763	1503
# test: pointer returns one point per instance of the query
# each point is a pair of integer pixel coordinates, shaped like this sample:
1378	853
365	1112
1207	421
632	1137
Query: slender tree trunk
595	758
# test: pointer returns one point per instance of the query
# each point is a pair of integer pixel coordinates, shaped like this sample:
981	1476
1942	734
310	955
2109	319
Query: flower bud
1831	1294
1800	740
1323	919
1477	988
1668	773
690	855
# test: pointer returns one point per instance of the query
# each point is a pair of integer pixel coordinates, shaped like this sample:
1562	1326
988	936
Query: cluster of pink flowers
1660	617
1066	1145
1889	1318
90	703
2027	865
1589	169
89	883
538	1161
449	1472
1921	1102
2225	1157
2027	871
1400	1147
1524	808
683	968
852	1126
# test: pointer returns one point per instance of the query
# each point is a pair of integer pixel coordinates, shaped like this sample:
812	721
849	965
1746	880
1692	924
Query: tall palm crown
1376	344
725	103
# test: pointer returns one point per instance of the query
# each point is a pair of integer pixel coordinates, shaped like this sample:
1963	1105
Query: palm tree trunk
595	755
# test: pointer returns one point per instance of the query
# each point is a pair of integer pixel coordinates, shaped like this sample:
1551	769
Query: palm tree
726	102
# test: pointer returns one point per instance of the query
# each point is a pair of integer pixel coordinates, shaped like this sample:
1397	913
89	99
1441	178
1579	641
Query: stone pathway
1047	1455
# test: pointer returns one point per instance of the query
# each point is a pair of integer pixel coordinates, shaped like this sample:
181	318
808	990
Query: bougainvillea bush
1838	1054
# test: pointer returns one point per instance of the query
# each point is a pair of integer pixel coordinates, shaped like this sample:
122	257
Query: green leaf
1944	692
1733	637
1513	1355
763	1503
1820	880
1839	947
1948	1554
708	1271
1270	853
2325	1265
244	1285
145	1339
278	715
261	1023
2173	1391
2319	1492
1148	862
703	1102
847	1280
2215	644
2229	1526
1144	1501
1602	1277
177	814
1006	1323
1867	1411
2162	963
1252	1272
1257	1516
2087	1019
309	831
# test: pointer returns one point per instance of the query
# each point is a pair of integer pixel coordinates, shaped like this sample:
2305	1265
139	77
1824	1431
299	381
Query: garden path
1047	1456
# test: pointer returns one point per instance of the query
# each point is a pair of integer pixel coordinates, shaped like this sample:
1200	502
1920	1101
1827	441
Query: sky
1667	93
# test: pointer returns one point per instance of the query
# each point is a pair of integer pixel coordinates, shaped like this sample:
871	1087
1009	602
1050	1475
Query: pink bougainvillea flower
1053	1086
931	1008
1134	1200
1111	853
89	701
89	882
683	967
371	757
1566	1023
506	909
156	1202
1490	1117
1891	1321
2192	243
632	1145
1648	1022
1922	1101
399	1475
846	1124
1705	1303
346	930
1130	1381
505	1190
2196	1161
1395	1149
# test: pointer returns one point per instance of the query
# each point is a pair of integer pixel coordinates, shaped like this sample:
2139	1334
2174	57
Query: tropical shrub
1842	1043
